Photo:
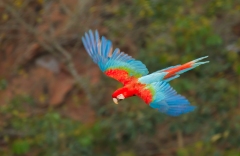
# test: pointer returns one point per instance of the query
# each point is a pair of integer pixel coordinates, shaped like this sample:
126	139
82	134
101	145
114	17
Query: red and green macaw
153	88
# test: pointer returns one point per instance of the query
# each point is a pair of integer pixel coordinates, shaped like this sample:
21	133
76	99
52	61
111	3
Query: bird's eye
121	96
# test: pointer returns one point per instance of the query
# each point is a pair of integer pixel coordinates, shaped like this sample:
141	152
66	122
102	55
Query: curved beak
115	100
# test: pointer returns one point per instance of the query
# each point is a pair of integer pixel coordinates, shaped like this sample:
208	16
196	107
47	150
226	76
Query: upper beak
115	100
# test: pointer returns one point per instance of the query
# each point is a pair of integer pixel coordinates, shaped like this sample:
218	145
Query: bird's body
135	88
153	88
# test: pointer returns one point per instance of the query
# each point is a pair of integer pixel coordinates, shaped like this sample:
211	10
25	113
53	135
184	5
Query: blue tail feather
196	60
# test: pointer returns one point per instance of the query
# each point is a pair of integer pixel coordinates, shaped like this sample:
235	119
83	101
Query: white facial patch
120	96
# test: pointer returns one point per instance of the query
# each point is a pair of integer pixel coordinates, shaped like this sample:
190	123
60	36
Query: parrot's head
121	94
118	98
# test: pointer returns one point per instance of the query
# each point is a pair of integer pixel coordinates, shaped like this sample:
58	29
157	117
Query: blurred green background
54	101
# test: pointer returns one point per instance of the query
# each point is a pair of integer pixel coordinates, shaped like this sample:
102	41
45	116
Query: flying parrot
153	89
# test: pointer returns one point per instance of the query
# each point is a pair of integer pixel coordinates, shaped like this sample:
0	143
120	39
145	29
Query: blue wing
166	100
102	54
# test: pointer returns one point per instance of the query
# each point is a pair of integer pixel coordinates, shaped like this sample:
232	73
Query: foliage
160	34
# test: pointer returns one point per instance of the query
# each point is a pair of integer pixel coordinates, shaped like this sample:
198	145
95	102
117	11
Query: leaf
214	40
3	84
182	152
86	140
20	147
216	137
126	153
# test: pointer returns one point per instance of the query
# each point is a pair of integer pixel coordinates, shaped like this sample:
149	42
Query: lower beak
115	100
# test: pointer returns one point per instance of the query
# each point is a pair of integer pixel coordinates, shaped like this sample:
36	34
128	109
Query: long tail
175	71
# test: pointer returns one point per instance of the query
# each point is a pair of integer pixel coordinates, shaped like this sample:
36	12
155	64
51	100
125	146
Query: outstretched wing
115	64
164	98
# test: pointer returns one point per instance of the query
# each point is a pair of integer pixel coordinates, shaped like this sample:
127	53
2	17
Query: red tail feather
173	71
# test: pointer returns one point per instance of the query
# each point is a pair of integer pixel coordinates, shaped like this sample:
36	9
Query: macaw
153	89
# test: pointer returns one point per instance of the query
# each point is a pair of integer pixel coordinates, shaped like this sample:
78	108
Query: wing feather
170	102
165	99
107	59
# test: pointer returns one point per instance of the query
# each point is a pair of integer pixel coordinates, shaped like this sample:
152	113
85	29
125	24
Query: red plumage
135	88
172	72
120	75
